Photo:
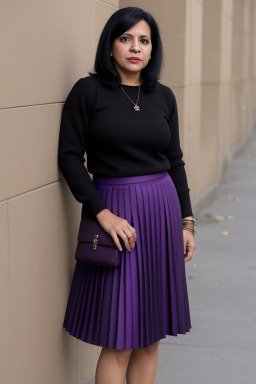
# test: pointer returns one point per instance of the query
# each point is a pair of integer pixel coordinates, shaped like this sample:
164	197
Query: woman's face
135	42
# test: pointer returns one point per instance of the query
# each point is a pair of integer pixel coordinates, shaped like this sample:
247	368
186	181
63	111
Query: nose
135	46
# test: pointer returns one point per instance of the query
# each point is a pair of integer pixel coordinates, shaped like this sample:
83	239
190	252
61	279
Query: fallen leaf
224	233
219	217
229	197
235	302
230	217
237	198
194	265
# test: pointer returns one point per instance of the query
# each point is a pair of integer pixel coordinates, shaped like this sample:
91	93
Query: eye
145	41
124	37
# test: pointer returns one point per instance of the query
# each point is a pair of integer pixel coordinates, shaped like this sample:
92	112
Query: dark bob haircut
117	24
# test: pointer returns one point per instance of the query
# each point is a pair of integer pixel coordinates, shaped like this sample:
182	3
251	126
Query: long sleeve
72	147
175	156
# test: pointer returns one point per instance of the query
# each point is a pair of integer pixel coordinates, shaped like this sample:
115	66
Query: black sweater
118	140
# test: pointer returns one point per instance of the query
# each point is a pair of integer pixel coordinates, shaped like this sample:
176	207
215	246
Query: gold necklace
136	106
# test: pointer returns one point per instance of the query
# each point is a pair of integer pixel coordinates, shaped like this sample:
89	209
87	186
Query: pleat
178	288
145	298
128	273
157	265
169	294
135	273
142	250
108	313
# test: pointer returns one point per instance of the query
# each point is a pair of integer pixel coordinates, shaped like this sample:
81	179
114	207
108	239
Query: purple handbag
95	246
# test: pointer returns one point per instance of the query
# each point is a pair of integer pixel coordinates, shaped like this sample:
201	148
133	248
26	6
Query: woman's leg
142	365
112	366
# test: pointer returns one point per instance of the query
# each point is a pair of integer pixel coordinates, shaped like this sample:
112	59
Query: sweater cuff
95	206
185	204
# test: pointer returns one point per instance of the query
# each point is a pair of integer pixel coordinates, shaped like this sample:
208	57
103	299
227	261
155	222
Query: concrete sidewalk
221	277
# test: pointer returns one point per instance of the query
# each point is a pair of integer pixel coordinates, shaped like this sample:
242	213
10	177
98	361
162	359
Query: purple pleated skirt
145	298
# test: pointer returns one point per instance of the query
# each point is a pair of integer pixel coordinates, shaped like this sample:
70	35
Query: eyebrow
140	36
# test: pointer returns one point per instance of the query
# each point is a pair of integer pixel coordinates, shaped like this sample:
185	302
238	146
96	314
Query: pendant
136	108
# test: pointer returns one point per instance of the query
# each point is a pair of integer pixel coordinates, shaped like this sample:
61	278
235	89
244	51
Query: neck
134	83
130	79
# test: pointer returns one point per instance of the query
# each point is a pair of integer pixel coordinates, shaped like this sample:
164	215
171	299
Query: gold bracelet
189	229
189	224
189	221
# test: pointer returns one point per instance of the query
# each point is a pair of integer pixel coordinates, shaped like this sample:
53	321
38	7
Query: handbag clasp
95	241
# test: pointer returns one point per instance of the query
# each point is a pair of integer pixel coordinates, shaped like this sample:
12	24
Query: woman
127	123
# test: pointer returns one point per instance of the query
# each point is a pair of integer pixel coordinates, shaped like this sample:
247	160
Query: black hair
119	22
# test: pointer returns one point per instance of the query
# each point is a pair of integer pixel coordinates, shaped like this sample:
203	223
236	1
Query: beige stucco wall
210	57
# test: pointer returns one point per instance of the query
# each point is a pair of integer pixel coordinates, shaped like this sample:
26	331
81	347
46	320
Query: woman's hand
115	225
189	244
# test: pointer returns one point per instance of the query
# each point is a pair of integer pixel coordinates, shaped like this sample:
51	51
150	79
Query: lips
134	59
